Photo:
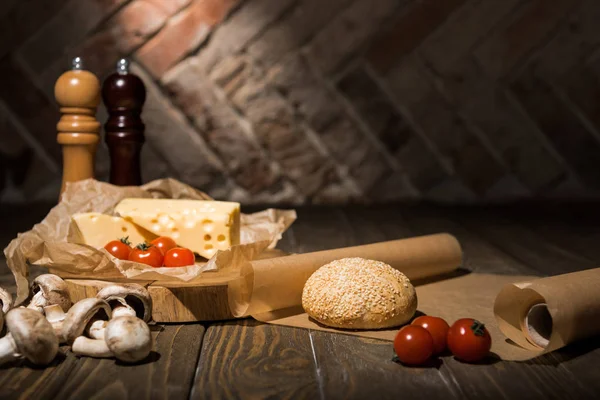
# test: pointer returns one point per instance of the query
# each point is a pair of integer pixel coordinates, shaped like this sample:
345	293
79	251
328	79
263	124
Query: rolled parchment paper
277	283
546	314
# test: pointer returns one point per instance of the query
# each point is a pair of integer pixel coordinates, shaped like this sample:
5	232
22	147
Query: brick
421	166
457	145
241	28
29	104
170	7
529	27
462	149
408	31
183	33
392	188
375	109
281	134
579	148
451	191
348	32
153	165
583	88
509	188
68	27
135	23
194	94
124	32
407	81
352	149
572	45
181	147
303	89
411	89
11	142
308	169
293	30
462	30
22	23
312	100
513	136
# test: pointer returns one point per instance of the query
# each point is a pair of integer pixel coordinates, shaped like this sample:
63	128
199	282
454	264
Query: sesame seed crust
356	293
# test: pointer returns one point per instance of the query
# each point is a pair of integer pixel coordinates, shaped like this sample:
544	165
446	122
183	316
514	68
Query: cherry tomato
164	244
147	254
119	248
437	327
179	257
469	340
413	345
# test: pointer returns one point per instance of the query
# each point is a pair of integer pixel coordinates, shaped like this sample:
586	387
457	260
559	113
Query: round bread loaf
356	293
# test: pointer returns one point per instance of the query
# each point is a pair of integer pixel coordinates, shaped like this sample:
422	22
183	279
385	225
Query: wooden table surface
246	359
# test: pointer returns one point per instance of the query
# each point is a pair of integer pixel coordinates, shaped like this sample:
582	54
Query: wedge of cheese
95	229
202	226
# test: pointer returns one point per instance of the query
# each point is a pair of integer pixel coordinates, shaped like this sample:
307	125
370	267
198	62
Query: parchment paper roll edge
268	285
571	300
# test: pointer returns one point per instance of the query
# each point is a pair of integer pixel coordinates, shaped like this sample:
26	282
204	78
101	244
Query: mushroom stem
55	315
84	346
37	303
95	329
8	349
123	311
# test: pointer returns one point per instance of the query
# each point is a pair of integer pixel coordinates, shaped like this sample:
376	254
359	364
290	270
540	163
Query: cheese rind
202	226
95	229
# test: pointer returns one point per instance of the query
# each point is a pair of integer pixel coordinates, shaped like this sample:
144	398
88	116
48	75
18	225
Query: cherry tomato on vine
164	244
413	345
179	257
469	340
119	248
437	327
147	254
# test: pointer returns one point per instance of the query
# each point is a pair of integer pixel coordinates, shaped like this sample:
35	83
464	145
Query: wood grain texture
175	303
246	359
166	374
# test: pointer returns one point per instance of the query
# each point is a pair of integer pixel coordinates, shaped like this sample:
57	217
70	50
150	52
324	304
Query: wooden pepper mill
124	95
78	93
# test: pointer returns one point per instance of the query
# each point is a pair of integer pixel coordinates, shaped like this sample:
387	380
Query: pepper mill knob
77	92
124	95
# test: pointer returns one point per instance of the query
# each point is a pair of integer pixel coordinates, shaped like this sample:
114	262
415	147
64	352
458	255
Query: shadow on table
567	353
442	277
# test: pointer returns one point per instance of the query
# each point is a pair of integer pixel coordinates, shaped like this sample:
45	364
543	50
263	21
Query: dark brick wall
310	101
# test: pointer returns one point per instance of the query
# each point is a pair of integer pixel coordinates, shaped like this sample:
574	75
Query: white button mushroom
6	300
128	338
30	335
48	289
77	324
128	299
56	316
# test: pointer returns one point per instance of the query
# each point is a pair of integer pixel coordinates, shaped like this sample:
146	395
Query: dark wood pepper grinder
124	95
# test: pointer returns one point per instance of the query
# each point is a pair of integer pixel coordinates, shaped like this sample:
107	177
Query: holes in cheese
95	229
191	223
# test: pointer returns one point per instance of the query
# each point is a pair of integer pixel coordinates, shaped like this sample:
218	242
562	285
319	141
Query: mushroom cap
6	299
128	338
135	295
33	335
80	315
54	289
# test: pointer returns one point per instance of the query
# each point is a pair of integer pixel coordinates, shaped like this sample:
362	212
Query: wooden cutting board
171	302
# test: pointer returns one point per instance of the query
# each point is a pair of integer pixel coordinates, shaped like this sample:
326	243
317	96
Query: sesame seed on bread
356	293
